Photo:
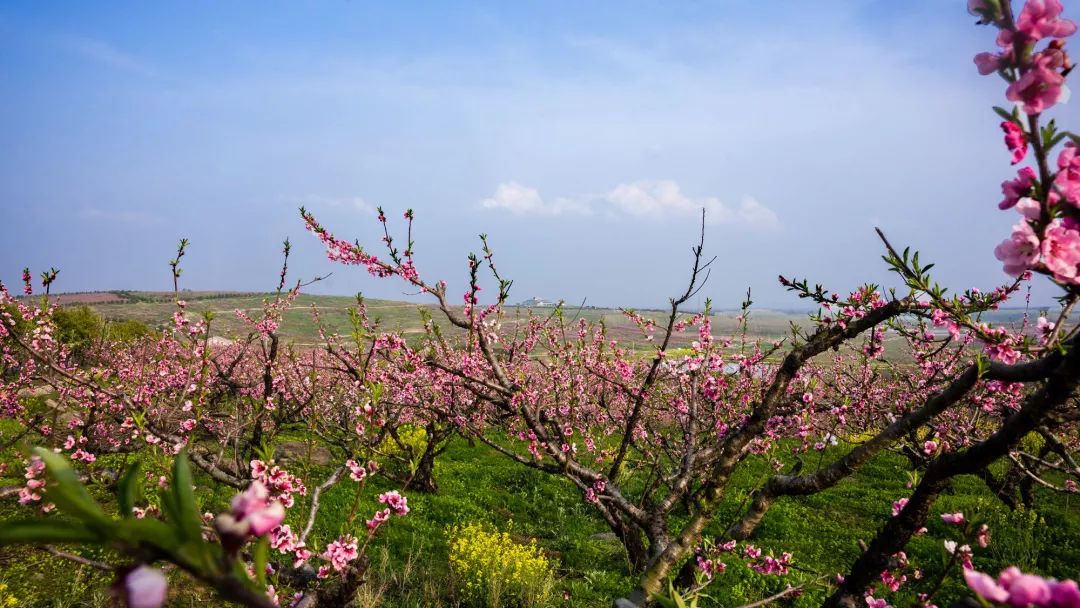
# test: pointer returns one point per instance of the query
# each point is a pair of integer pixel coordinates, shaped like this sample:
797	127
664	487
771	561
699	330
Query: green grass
155	309
410	555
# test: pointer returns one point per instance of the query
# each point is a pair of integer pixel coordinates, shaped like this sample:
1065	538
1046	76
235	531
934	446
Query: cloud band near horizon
646	199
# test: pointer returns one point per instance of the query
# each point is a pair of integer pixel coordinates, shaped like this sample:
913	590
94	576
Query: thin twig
315	501
782	594
78	559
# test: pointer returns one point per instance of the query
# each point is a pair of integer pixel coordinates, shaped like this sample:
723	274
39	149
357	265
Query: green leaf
168	505
187	512
261	554
240	573
47	531
152	532
376	391
195	554
129	490
1002	112
67	491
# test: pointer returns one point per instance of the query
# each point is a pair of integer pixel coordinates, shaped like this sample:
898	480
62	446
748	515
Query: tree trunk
423	479
632	540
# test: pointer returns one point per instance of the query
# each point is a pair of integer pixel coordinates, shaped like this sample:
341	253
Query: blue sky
582	137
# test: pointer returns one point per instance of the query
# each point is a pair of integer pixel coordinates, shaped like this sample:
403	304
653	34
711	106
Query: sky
583	137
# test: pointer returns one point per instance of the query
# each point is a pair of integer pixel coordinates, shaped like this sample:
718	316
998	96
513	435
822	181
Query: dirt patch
106	297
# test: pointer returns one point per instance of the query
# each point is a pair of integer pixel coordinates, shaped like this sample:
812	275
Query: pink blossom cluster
767	564
709	556
893	579
1020	590
397	503
1015	140
31	492
710	567
27	279
357	472
271	314
280	484
962	552
253	513
593	492
855	307
1047	237
940	318
957	519
377	519
898	505
1040	84
345	252
286	541
341	552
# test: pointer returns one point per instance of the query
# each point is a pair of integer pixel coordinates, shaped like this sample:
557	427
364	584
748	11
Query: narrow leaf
152	532
47	531
187	512
261	554
129	489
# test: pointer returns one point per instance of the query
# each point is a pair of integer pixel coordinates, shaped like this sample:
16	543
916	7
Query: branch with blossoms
179	538
1046	240
577	405
173	391
231	555
1016	588
843	467
406	396
1060	385
548	404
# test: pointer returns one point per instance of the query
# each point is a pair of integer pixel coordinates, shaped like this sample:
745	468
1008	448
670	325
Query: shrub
79	328
493	570
127	330
7	600
1016	538
413	438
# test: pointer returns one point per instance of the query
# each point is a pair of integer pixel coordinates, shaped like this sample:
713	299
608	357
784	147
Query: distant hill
156	309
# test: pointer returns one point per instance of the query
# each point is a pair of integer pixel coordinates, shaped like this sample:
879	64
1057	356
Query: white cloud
642	199
753	212
361	205
522	200
356	203
514	197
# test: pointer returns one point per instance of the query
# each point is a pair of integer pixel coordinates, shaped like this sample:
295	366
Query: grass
156	309
298	326
409	558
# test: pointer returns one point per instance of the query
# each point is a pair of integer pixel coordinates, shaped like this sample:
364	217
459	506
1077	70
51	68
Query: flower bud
143	587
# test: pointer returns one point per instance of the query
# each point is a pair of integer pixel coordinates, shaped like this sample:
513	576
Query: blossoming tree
174	400
646	438
651	440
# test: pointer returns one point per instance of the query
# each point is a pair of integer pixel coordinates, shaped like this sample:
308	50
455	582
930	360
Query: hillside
156	309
